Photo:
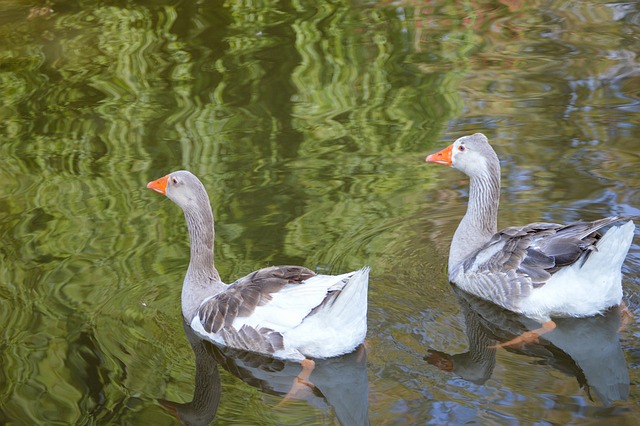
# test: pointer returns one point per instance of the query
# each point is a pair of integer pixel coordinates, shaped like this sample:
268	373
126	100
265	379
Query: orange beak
159	185
441	157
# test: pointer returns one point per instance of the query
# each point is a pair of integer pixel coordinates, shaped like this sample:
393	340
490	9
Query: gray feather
241	299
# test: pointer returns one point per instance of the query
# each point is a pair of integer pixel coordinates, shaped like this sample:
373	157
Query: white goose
540	270
286	312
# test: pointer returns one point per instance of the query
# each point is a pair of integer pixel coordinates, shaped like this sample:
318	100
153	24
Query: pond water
308	122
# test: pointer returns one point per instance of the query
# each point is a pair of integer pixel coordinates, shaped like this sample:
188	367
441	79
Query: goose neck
484	198
479	223
201	236
202	279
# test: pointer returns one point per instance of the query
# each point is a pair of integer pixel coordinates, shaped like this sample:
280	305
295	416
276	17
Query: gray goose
540	270
286	312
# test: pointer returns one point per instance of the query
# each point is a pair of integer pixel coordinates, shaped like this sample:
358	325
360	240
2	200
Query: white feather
332	330
337	328
587	289
289	306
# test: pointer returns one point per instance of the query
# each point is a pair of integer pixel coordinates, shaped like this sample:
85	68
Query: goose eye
174	181
461	148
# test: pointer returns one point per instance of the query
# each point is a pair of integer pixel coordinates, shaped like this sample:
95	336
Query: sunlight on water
308	124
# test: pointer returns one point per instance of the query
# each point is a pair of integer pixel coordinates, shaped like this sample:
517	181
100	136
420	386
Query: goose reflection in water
587	348
340	384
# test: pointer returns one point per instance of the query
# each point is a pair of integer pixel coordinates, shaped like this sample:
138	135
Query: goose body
540	270
286	312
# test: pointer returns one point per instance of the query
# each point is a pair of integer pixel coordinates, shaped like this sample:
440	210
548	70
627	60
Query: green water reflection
308	123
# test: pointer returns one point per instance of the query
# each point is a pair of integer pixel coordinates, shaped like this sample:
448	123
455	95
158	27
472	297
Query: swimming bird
540	270
286	312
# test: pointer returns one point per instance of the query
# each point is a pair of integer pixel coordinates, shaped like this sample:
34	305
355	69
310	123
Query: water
308	124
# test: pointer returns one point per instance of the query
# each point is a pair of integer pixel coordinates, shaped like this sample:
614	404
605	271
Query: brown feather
242	297
527	257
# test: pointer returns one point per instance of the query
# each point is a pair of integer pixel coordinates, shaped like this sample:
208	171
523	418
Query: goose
285	312
540	270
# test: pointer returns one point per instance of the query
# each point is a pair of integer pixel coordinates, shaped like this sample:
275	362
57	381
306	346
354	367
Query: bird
540	270
285	312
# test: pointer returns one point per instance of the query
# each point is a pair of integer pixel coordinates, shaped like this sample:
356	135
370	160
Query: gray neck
480	222
202	279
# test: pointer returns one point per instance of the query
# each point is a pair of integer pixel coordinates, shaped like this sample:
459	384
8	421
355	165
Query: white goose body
286	327
540	270
576	290
581	290
286	312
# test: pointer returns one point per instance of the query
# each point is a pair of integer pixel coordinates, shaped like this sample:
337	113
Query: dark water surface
308	122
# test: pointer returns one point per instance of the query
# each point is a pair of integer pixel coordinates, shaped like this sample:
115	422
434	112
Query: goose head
472	155
183	188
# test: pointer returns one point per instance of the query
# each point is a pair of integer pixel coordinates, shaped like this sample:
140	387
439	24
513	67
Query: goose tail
603	267
612	248
350	303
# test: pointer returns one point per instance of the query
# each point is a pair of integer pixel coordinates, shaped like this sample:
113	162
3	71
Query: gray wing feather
518	259
262	340
241	298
